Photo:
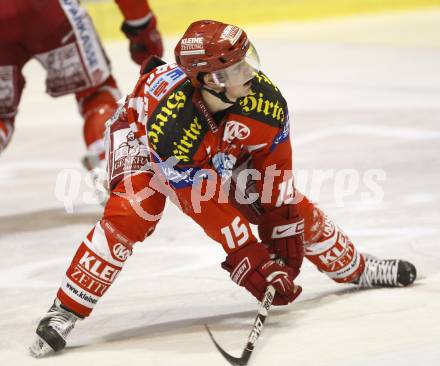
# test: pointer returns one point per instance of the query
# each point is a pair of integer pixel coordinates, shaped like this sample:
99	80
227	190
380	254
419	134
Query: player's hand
282	231
252	268
145	40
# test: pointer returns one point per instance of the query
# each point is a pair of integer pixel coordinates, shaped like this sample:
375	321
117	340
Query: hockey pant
135	207
61	36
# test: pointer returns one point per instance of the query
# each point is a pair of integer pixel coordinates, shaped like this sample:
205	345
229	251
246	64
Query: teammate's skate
52	330
98	174
386	273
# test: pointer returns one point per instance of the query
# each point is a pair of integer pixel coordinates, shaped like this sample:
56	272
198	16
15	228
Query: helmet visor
240	72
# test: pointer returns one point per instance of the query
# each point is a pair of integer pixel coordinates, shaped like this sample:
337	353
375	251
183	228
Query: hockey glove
252	268
282	232
145	40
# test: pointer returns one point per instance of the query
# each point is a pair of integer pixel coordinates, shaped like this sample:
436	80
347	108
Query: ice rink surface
365	96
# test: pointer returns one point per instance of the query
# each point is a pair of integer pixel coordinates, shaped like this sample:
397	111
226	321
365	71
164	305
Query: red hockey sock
96	264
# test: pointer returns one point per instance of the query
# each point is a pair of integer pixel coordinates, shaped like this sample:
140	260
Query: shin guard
96	264
328	247
335	255
97	105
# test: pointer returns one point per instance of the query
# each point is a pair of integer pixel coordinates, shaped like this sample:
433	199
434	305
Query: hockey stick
255	332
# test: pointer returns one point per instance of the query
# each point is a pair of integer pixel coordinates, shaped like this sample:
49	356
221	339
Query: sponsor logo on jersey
282	135
158	71
168	112
179	177
223	164
128	155
231	33
257	102
184	145
165	83
261	78
235	130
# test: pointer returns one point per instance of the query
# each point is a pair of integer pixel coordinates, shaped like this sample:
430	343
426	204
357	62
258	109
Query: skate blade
39	348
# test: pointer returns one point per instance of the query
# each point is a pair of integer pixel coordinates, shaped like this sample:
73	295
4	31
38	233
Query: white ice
365	94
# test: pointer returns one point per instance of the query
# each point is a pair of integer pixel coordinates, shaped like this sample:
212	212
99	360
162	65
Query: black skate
386	273
53	330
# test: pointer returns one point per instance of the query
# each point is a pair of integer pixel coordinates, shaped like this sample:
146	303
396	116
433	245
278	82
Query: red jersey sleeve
274	162
134	9
271	152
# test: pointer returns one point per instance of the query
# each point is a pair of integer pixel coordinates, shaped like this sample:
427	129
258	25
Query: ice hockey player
194	132
61	36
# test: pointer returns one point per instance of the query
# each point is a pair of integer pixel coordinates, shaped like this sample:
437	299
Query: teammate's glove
281	230
145	40
252	268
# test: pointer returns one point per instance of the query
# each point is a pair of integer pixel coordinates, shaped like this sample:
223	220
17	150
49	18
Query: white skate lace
379	272
62	321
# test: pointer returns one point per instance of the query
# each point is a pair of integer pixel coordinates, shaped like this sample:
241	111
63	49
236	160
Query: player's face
239	73
238	91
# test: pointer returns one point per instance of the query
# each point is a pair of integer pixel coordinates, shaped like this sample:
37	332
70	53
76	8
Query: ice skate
386	273
98	173
52	330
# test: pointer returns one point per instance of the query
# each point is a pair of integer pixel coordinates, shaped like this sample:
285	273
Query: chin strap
222	95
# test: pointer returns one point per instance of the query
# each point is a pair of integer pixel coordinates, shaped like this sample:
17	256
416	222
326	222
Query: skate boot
386	273
98	173
52	330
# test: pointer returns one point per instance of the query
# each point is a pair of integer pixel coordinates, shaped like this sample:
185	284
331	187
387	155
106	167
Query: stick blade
235	361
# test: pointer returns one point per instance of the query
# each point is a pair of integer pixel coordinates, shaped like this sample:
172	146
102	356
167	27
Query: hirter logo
235	130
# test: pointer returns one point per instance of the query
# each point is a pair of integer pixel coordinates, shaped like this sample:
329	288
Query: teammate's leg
70	50
97	105
12	59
